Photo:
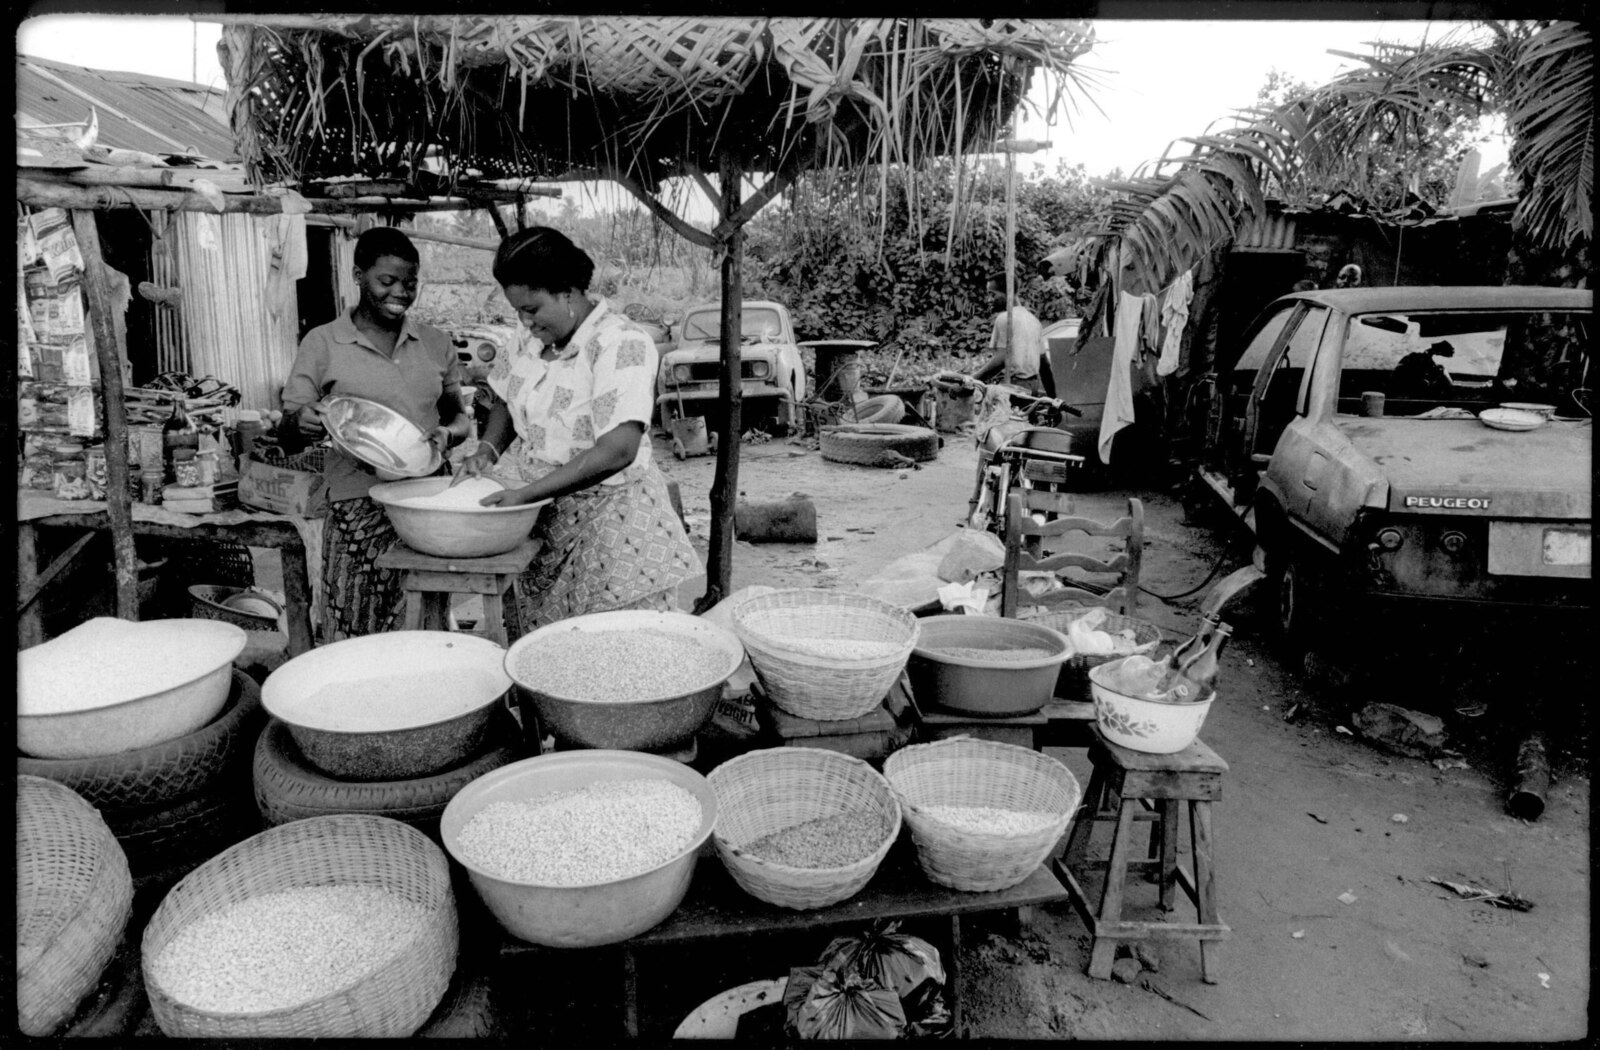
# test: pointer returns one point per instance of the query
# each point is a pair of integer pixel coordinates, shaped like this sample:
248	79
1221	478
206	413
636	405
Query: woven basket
761	792
966	772
1074	679
74	896
811	686
392	1000
206	603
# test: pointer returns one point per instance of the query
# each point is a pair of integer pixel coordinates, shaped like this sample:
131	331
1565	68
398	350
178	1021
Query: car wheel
1299	599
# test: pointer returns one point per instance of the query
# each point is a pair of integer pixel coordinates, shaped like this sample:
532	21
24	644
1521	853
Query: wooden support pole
108	349
498	220
44	193
725	484
416	235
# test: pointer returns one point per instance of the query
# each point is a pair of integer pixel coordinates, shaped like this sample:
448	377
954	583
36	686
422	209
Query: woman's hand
509	497
308	420
479	460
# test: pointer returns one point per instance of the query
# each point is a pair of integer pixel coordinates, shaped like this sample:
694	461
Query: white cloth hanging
1174	316
1119	390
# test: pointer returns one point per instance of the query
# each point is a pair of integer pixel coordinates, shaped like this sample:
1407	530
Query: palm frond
1551	117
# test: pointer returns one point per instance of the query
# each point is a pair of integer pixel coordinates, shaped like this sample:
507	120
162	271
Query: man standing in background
1029	364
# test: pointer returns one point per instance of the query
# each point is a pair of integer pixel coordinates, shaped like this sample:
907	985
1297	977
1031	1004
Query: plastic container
250	427
987	688
69	471
185	467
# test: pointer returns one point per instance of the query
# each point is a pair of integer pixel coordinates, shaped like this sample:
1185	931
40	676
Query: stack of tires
288	786
175	804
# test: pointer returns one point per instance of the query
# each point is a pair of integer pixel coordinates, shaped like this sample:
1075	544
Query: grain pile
461	496
282	949
990	820
844	649
619	666
607	831
973	652
826	842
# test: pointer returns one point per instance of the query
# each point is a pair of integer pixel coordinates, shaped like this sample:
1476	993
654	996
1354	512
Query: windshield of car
754	323
1442	364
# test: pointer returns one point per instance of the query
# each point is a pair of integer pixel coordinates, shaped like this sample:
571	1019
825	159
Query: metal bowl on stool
649	723
391	706
457	532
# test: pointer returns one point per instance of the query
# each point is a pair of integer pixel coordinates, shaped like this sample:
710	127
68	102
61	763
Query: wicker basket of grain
983	815
74	895
802	827
331	926
825	655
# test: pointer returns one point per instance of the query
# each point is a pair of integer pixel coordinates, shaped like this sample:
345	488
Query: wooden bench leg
1205	884
1171	814
1083	821
952	971
414	614
1105	948
630	994
494	620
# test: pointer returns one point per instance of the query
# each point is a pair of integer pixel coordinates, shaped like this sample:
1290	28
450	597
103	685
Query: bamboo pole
416	235
725	483
40	193
108	349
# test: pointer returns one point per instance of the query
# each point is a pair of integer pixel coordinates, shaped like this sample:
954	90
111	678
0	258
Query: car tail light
1454	542
1390	539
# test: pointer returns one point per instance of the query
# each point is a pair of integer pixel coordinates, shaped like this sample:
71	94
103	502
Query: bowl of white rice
394	706
581	848
110	685
632	680
448	521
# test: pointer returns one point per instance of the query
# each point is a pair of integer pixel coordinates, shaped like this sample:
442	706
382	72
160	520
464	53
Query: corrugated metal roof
136	112
1270	232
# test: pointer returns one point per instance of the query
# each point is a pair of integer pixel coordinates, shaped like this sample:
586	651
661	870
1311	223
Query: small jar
70	471
95	469
207	460
185	468
249	429
150	486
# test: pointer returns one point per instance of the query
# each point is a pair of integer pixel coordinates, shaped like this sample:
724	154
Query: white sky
1162	79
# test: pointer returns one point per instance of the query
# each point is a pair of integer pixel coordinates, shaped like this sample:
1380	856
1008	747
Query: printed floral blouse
603	377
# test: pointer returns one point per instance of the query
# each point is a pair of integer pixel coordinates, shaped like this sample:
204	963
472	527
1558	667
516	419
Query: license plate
1566	547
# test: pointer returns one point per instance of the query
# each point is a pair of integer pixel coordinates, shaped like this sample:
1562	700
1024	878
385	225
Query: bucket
690	432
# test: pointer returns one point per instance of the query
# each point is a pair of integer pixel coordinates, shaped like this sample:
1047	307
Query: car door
1231	446
1282	440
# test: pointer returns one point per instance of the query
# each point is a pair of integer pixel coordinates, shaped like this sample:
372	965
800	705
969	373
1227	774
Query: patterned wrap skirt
358	598
606	548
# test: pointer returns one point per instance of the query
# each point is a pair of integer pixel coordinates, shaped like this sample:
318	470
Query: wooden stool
1150	788
429	584
1060	723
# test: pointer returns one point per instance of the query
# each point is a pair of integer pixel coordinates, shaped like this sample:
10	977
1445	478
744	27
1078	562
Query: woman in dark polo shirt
374	352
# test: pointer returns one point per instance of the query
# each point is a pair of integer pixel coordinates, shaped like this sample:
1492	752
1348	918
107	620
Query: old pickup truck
1412	445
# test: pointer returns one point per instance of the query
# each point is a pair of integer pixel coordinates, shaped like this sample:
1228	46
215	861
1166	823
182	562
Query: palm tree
1540	76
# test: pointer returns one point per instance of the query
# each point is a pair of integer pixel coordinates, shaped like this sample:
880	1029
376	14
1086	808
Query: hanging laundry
1174	318
1150	324
1118	413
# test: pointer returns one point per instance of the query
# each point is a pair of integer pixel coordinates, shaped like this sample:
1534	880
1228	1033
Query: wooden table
272	531
716	908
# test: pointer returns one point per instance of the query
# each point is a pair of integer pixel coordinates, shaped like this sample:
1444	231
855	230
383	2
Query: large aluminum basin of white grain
596	913
446	521
109	685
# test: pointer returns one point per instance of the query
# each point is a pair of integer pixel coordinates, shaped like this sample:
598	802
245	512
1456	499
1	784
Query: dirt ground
1324	842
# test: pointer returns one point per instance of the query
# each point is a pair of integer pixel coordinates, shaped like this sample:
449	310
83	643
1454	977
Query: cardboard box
282	490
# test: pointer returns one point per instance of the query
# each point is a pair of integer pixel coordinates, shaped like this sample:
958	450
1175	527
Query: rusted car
1356	432
771	370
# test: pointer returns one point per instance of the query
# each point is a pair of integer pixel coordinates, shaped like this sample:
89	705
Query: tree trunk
725	486
109	351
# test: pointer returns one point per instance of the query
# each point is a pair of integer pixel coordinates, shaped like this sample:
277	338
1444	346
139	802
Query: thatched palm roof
638	98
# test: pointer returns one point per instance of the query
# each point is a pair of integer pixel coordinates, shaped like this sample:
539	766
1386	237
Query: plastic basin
648	723
1157	727
394	706
580	916
109	686
476	532
996	688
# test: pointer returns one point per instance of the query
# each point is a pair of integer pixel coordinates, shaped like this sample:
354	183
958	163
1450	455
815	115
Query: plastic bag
848	1006
883	954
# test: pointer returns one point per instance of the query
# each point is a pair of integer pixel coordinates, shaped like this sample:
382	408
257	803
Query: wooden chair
1024	551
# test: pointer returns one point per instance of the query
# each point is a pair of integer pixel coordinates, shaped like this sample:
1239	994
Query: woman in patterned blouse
572	425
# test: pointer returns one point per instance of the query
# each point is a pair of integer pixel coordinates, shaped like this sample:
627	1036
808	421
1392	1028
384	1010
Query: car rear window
1440	364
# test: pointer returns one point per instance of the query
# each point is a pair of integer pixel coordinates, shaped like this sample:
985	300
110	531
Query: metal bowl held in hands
109	686
654	716
595	913
391	706
379	436
434	518
952	668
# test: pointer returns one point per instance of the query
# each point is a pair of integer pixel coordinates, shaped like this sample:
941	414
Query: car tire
202	824
162	774
1299	598
865	443
288	788
885	408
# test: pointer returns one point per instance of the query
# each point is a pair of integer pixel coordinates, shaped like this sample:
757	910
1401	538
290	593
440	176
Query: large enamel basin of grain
435	519
650	718
109	686
597	913
394	706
